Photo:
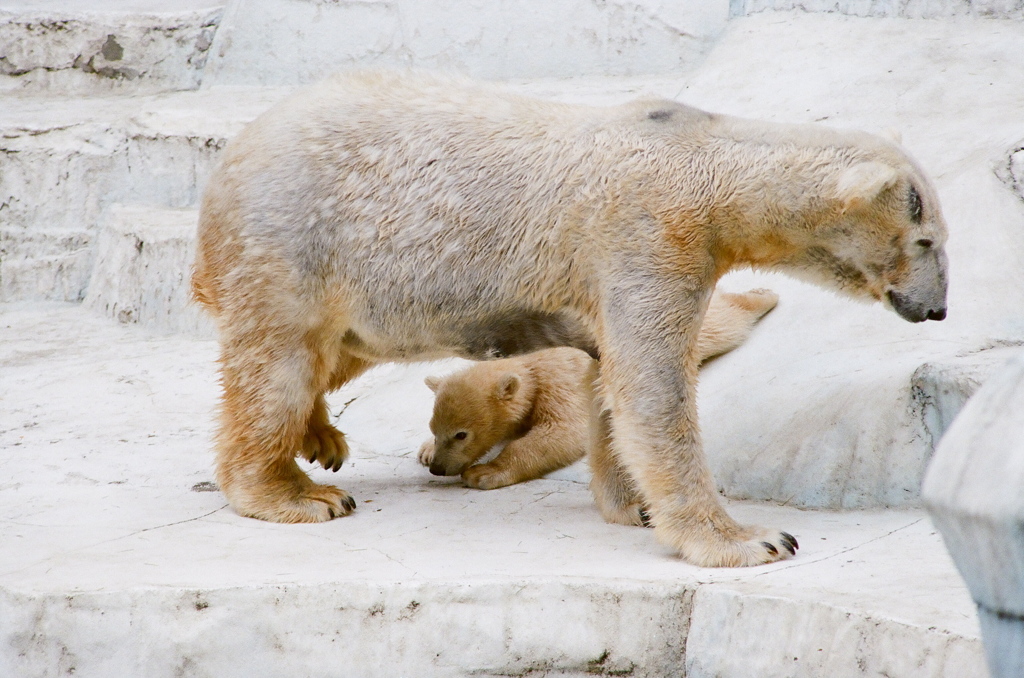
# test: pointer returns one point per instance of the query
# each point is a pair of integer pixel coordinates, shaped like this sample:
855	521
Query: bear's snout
914	311
439	467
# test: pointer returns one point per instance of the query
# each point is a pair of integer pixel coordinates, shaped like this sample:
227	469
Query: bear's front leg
270	393
648	375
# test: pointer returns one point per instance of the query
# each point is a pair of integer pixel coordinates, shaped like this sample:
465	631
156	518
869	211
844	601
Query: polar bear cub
539	403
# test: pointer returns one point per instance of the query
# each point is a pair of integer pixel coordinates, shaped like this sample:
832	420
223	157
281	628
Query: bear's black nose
940	314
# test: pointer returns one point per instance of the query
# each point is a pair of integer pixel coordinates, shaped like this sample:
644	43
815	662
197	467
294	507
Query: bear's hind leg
270	381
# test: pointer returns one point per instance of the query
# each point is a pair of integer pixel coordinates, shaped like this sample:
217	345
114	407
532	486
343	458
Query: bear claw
771	548
789	541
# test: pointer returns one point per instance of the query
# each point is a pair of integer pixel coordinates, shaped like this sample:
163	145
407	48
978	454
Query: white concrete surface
973	491
275	42
119	560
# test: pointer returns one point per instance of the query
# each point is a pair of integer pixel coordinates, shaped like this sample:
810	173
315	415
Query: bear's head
883	239
474	410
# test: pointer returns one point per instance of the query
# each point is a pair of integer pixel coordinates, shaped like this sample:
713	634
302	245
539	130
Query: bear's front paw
426	454
486	477
751	546
325	444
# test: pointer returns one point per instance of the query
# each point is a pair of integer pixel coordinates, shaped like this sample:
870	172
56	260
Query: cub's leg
547	447
648	373
426	453
730	319
272	377
322	442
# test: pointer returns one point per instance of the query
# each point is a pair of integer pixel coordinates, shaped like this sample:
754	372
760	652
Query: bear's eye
461	435
914	205
925	243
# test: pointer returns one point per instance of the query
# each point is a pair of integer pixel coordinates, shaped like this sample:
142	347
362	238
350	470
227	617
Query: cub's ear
507	386
860	184
433	383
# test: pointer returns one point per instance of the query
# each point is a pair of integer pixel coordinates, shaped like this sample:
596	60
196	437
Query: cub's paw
426	453
312	504
325	444
486	477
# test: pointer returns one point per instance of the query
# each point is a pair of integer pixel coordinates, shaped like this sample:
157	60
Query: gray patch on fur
844	271
518	332
660	114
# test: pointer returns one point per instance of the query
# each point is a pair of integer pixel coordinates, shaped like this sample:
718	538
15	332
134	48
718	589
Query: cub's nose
939	314
438	469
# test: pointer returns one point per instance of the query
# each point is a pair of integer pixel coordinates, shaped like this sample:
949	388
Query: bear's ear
507	386
433	383
860	184
893	135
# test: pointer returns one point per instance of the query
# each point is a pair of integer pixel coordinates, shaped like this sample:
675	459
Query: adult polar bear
383	216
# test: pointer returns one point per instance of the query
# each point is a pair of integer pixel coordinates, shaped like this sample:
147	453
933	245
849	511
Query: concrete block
973	492
91	50
274	42
142	270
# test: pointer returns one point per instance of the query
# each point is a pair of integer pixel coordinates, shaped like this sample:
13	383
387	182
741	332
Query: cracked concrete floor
109	521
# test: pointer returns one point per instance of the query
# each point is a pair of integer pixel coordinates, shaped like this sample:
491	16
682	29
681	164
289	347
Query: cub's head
474	410
884	238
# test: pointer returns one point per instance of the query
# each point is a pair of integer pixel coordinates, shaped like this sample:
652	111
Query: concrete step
122	559
933	9
141	274
86	48
64	162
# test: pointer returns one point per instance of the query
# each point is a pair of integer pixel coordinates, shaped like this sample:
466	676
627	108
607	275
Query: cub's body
539	403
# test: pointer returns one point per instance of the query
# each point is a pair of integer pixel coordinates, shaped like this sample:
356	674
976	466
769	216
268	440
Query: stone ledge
89	51
123	562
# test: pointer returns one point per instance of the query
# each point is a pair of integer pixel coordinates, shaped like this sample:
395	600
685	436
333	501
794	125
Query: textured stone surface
120	560
64	162
907	9
273	42
89	50
141	274
973	491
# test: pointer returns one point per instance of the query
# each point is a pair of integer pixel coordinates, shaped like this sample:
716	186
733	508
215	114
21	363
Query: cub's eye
925	243
461	435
